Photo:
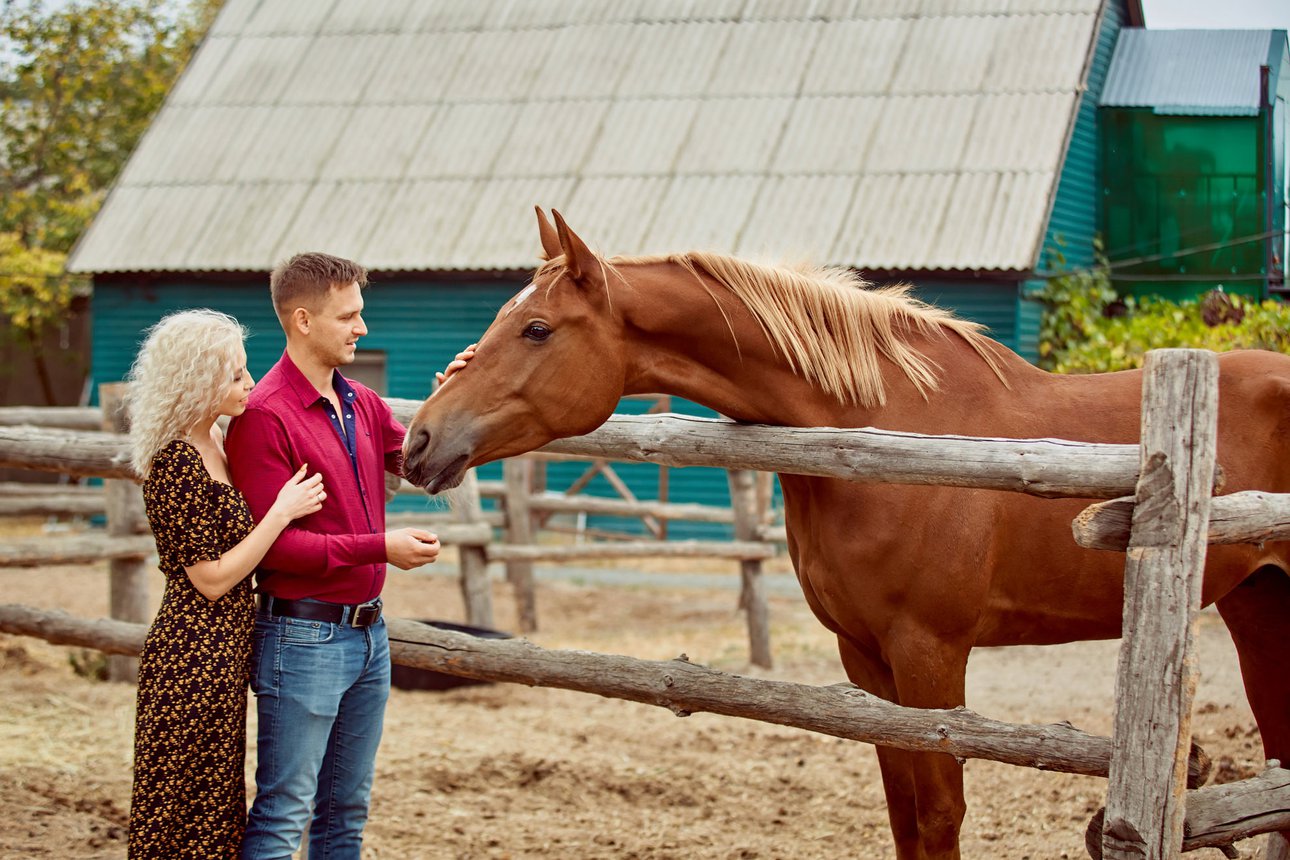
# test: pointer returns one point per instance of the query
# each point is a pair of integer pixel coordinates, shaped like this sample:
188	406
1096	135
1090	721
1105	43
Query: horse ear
550	240
577	256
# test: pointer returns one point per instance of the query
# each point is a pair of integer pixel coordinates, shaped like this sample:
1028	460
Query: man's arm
261	460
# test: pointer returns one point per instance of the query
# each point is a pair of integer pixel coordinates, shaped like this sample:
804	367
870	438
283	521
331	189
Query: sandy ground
501	771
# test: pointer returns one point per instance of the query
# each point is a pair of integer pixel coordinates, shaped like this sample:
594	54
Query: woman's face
237	388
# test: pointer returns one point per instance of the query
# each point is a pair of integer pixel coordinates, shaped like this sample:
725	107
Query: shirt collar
343	388
305	390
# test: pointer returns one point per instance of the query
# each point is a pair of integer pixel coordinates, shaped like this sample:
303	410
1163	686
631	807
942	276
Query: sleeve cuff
371	549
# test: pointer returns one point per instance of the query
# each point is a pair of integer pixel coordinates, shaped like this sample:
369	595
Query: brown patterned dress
189	796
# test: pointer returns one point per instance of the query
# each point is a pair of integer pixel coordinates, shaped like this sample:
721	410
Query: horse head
551	365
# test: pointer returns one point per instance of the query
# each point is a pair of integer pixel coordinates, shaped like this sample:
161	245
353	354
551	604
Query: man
320	660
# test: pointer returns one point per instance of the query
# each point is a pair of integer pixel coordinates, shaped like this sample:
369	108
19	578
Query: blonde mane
833	327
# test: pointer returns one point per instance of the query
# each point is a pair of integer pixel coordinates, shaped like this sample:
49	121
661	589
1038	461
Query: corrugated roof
1190	72
413	135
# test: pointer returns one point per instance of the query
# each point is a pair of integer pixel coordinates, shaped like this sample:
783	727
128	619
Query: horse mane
830	324
834	327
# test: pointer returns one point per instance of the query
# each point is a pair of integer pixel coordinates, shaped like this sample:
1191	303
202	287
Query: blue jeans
320	693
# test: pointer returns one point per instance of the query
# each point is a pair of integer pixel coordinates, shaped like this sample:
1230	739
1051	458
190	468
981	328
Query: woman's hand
456	364
299	496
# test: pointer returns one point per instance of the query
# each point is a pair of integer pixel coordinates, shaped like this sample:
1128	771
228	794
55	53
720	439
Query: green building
1194	146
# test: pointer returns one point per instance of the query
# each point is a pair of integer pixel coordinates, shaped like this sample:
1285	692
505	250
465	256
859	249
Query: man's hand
456	364
409	548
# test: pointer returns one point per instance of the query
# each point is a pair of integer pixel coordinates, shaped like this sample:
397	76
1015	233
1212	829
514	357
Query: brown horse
908	578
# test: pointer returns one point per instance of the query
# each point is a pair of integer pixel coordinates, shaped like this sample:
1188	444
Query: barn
950	144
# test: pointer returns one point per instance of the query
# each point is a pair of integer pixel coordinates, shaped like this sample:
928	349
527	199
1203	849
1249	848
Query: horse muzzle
434	466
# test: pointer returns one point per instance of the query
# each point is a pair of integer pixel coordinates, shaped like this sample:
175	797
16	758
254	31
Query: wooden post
127	577
752	588
517	475
1156	679
475	588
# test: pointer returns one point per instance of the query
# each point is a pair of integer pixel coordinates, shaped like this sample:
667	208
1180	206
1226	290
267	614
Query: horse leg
1257	614
931	673
869	673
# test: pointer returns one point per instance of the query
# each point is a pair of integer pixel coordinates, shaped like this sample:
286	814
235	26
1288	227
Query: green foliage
1087	328
34	291
1074	306
79	83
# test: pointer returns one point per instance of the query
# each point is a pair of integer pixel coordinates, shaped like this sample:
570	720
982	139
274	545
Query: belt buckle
365	614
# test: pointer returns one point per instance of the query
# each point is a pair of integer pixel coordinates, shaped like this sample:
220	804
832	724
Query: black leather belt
355	614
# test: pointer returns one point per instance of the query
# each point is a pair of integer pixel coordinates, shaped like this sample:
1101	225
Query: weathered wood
71	452
1156	678
73	549
127	577
476	592
692	512
59	628
561	503
1276	847
63	417
11	489
52	505
773	533
752	590
517	476
1247	517
636	549
441	519
620	486
1221	815
840	710
1040	467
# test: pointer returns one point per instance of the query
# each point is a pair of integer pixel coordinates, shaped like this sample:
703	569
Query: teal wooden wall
1073	222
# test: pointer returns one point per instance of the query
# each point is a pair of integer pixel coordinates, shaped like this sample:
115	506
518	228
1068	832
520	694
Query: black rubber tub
410	678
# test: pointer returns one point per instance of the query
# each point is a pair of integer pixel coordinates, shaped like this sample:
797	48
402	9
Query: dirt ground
501	771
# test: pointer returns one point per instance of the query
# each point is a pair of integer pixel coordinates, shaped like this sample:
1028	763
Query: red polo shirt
338	553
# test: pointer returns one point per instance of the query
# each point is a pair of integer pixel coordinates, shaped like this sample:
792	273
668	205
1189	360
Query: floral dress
189	797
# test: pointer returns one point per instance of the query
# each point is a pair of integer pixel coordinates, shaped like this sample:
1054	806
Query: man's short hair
305	280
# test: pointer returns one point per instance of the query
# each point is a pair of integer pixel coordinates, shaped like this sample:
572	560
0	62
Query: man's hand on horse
456	364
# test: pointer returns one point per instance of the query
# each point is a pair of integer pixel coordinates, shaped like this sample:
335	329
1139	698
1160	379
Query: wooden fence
520	518
1150	812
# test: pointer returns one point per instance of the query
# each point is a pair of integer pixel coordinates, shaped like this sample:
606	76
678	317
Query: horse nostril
418	441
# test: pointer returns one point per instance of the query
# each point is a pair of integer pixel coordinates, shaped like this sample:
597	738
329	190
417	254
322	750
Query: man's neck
319	375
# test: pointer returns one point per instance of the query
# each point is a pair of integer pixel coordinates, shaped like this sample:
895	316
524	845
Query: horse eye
537	331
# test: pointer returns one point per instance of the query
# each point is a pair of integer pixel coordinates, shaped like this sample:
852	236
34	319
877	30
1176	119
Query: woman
189	797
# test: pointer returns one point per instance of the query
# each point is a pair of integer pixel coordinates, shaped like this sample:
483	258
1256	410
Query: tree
79	82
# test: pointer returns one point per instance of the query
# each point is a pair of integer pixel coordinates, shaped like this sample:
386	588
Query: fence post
517	474
752	588
127	577
475	588
1156	678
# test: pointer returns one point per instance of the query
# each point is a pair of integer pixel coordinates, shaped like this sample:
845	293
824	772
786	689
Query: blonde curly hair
179	378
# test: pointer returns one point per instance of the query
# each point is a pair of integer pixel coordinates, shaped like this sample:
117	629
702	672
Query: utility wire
1151	258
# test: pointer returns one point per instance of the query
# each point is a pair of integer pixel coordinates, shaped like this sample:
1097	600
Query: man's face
335	329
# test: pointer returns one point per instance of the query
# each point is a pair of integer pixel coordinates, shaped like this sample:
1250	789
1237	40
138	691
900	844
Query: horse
908	578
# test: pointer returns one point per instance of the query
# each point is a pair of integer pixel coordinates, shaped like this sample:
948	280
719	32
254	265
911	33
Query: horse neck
705	346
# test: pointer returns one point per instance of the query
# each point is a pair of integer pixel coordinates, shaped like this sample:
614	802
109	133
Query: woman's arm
298	497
